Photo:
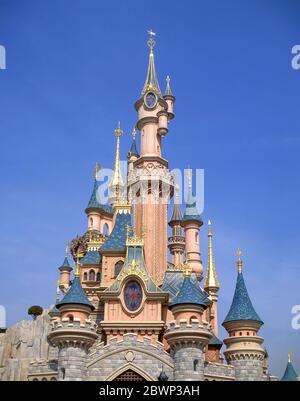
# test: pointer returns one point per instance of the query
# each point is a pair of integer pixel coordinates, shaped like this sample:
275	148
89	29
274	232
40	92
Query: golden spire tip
289	357
239	261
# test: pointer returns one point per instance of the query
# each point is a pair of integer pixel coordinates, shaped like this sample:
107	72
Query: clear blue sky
74	68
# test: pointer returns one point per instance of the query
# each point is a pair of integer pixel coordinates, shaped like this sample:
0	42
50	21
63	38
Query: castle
128	313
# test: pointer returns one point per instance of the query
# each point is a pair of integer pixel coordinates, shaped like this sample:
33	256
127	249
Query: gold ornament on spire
151	83
289	357
211	280
77	267
239	261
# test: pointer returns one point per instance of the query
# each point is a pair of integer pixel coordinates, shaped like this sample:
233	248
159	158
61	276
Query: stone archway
129	375
130	372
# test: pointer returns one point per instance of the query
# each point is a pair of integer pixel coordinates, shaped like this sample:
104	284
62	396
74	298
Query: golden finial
289	357
118	131
96	170
239	261
67	249
77	273
151	42
133	133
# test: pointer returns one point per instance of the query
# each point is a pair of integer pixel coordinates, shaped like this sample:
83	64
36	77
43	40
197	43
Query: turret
169	98
98	214
65	271
290	374
73	333
192	222
211	284
244	347
188	335
176	243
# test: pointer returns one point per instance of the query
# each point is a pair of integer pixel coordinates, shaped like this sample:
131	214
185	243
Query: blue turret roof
290	374
241	307
91	258
75	295
95	201
54	311
189	293
133	149
117	239
65	264
215	341
191	212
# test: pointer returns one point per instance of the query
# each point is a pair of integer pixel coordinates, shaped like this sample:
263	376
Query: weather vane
151	42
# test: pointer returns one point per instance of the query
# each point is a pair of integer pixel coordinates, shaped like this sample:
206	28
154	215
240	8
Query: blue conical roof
94	201
191	212
133	149
75	295
189	293
241	307
290	374
65	264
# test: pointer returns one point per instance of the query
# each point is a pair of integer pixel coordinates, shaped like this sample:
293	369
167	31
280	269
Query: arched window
53	379
192	318
91	222
118	267
85	277
92	275
98	277
196	363
197	237
71	318
44	379
35	380
105	230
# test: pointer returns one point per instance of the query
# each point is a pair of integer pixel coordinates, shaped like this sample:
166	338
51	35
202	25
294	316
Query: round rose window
133	295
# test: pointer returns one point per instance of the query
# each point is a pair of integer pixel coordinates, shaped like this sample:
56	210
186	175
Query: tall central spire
116	183
151	83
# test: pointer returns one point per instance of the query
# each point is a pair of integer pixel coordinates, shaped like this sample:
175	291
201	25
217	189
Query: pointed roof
189	293
290	374
191	212
117	239
241	307
176	215
151	82
211	279
95	201
75	295
133	149
91	258
134	264
168	91
215	341
66	265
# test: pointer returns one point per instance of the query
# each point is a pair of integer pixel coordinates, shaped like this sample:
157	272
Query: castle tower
99	215
176	241
188	335
244	347
150	184
211	284
133	153
73	333
65	271
192	223
290	374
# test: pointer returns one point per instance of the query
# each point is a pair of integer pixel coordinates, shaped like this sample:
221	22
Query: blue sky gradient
74	68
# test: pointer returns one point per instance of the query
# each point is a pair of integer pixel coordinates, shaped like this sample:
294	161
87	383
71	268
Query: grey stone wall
248	369
188	362
145	358
72	360
218	372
